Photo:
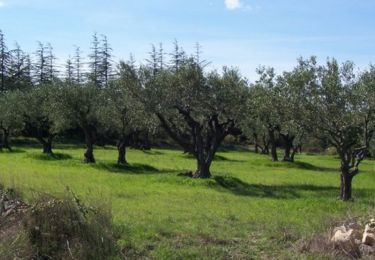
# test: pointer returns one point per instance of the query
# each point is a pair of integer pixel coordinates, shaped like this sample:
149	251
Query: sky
238	33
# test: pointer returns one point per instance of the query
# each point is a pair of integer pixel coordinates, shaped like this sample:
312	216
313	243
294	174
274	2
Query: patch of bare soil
12	213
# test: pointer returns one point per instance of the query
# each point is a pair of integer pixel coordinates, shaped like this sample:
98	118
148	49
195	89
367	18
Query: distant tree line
176	95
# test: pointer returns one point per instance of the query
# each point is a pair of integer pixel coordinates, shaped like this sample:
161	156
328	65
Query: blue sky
242	33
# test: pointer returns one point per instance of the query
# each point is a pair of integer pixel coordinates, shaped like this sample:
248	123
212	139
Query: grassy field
252	208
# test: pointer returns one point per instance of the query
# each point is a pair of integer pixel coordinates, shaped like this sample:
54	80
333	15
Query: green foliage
11	111
122	113
38	108
76	106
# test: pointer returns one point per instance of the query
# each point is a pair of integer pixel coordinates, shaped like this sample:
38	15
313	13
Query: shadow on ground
16	150
217	158
300	165
152	152
239	187
135	168
51	157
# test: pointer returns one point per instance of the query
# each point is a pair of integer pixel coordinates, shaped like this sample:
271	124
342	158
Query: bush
65	228
331	151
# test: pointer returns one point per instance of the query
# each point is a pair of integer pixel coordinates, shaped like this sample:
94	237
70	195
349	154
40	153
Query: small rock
345	239
369	235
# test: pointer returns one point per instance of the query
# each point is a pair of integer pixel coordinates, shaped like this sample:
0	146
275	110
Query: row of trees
196	108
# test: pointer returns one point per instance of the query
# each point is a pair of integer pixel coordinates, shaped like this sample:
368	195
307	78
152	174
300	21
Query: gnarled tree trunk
121	148
350	160
203	170
47	144
289	149
203	145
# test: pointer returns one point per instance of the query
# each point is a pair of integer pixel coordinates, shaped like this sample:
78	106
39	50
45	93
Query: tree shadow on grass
134	168
217	158
152	152
300	165
52	157
13	151
223	158
239	187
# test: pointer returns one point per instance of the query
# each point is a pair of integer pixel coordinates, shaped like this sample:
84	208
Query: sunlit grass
243	211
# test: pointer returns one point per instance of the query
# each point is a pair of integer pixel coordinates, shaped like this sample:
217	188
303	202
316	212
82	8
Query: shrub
65	228
331	151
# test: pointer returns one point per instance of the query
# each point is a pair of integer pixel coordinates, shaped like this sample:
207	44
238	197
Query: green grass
251	208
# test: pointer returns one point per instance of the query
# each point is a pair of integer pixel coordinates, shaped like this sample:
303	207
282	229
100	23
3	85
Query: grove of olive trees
193	107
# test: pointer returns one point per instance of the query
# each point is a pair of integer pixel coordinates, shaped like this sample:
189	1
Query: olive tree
266	105
122	114
366	88
38	114
11	119
336	112
77	105
293	88
196	109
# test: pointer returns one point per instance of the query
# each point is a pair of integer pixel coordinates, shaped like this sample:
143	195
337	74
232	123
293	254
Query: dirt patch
12	213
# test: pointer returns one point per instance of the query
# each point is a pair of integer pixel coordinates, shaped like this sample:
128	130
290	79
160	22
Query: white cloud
233	4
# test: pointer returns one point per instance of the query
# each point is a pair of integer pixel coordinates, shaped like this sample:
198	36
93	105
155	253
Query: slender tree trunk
6	140
256	143
271	134
346	185
121	148
266	143
89	153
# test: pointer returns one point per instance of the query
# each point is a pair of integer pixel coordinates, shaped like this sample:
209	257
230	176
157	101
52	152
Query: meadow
251	208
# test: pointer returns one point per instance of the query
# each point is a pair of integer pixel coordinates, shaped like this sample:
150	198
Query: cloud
2	4
233	4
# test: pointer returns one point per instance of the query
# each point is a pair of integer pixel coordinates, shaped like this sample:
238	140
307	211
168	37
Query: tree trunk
256	143
287	157
346	185
47	148
121	148
47	145
203	170
6	140
295	150
89	153
266	144
288	147
271	134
